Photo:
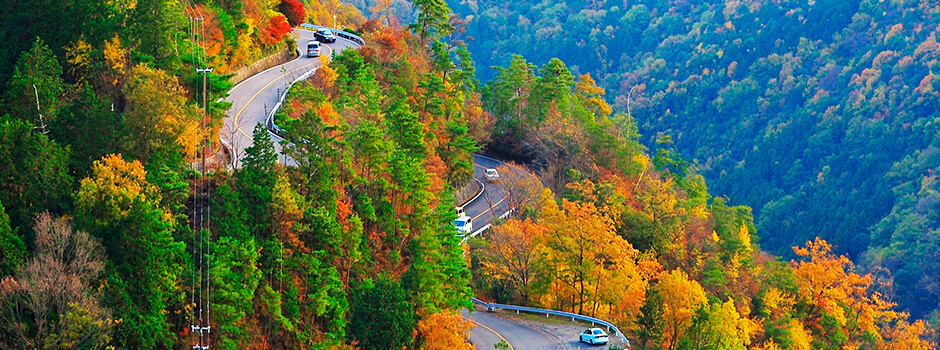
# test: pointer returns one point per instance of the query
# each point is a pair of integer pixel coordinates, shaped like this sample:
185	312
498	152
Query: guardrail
342	34
547	312
269	120
484	228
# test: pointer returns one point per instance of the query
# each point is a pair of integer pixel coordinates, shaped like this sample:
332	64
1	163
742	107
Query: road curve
490	329
253	98
492	202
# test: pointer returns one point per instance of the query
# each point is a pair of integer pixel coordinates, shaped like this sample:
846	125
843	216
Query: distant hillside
821	115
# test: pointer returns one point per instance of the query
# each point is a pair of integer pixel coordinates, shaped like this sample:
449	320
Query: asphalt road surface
254	98
492	202
491	329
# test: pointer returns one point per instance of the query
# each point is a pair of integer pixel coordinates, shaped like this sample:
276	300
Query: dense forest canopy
820	115
106	237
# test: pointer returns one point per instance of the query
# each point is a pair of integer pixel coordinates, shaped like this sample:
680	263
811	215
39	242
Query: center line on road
239	127
494	332
490	208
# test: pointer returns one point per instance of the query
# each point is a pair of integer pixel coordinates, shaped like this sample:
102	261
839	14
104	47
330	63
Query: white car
464	225
593	336
313	48
492	175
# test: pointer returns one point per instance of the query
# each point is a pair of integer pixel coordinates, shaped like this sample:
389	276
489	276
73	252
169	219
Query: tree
88	127
275	30
159	122
909	336
34	93
381	316
143	279
522	187
33	175
12	249
651	321
511	255
554	86
581	250
294	11
445	330
235	273
432	18
848	311
256	179
151	27
507	97
589	95
53	21
681	298
718	326
52	303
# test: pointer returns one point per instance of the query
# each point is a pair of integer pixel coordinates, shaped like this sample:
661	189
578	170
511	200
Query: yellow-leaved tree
586	264
158	119
682	297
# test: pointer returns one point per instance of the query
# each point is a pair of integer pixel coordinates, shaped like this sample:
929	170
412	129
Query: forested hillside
110	239
609	231
821	115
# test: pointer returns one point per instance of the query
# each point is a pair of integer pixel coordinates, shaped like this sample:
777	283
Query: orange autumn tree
511	257
445	330
908	336
844	310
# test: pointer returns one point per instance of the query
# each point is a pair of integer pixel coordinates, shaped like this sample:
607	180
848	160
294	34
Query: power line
201	189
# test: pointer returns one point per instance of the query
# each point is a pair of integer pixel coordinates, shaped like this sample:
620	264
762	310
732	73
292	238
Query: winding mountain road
492	202
252	101
254	98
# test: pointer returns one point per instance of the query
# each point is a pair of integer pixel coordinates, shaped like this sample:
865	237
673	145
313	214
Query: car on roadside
593	336
492	175
313	48
325	35
464	225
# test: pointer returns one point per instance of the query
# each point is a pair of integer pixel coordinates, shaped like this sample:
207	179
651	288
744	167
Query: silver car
313	48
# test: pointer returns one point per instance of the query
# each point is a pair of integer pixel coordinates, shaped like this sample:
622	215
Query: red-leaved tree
275	30
294	10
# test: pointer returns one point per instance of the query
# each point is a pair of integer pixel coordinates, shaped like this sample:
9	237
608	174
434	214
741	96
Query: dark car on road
324	35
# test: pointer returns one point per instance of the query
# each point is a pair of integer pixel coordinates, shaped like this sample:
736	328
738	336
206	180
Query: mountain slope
808	112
